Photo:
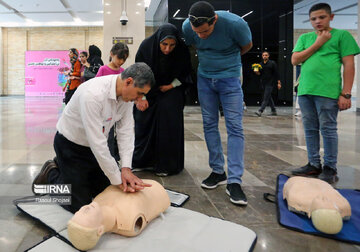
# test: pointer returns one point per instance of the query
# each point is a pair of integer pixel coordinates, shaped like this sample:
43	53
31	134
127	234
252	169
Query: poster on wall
44	72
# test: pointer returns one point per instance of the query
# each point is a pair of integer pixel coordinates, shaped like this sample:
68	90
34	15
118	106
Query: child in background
118	55
84	64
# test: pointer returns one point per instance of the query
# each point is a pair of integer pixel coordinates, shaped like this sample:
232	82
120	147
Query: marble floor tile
273	145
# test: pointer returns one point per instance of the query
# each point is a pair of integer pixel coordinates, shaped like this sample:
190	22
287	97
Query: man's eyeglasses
200	20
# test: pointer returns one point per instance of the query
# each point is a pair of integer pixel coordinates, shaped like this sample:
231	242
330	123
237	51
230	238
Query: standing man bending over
321	95
220	38
83	158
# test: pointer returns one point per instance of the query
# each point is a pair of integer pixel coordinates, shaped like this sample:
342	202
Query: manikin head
86	226
325	215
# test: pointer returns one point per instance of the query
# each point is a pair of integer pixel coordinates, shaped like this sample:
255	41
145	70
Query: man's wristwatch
346	95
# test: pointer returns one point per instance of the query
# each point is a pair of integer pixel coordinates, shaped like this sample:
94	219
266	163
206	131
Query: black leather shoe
42	177
329	175
307	170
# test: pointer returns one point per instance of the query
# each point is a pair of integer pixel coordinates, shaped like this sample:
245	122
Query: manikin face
265	56
89	216
204	31
167	45
116	61
320	20
132	93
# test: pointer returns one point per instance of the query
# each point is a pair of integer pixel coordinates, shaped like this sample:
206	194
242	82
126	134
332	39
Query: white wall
134	28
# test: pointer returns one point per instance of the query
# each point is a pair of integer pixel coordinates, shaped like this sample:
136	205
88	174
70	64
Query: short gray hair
141	73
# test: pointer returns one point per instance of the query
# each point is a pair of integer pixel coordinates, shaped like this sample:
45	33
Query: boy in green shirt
320	92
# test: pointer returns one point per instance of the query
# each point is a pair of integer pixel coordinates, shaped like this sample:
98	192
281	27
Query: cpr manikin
118	212
320	201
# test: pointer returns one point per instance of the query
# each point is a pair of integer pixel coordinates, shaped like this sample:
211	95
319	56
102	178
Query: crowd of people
136	115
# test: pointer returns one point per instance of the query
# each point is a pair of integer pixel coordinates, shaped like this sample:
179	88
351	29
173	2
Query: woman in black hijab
95	62
159	121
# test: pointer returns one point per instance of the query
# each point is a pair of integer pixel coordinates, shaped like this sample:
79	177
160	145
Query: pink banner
44	72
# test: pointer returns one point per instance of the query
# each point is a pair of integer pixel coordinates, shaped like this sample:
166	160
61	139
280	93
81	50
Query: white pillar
134	29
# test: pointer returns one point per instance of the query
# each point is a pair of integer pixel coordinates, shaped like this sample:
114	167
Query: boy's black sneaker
329	175
214	180
307	170
237	196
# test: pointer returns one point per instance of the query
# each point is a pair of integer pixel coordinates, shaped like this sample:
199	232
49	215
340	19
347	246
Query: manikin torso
133	211
326	207
300	193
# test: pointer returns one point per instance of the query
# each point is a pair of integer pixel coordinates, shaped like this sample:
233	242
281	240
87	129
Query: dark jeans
267	99
68	94
78	167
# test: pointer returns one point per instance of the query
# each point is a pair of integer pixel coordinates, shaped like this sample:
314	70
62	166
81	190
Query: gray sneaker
258	113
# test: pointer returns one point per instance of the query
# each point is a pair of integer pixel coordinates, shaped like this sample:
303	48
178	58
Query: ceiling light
247	14
176	13
108	12
107	4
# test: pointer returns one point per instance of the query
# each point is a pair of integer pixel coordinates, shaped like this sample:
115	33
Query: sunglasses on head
194	19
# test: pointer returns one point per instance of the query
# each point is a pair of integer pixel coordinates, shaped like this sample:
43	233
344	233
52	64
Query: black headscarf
94	55
166	67
94	60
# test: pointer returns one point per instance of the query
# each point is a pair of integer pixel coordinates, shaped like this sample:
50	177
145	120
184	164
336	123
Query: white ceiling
15	13
20	13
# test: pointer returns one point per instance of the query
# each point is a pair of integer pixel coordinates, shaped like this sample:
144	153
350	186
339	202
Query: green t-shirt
321	72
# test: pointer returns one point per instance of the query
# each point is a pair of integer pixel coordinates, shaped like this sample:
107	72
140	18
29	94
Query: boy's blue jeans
228	91
319	114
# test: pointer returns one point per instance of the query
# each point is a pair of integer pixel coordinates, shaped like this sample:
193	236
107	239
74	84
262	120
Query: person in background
84	64
269	75
73	75
159	120
321	92
95	62
220	38
118	55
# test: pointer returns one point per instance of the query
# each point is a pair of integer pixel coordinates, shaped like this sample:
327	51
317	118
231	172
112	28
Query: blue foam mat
351	228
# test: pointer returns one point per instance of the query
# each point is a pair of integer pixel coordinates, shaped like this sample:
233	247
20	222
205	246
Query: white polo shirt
88	118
